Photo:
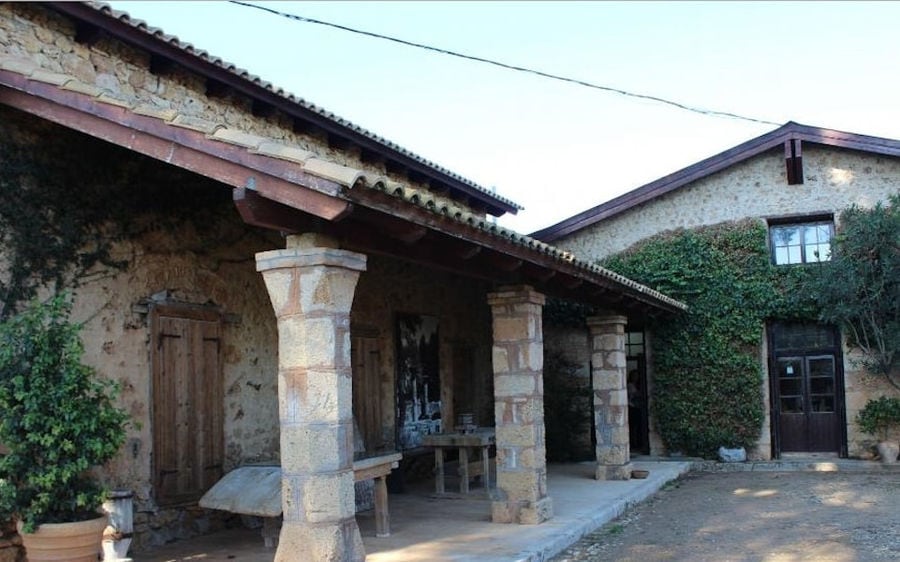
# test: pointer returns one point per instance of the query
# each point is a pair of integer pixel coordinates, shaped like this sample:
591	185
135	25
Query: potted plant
878	418
57	421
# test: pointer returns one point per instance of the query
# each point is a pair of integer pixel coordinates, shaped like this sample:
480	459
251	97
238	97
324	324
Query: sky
558	148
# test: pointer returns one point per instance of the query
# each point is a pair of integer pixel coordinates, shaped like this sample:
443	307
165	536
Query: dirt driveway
756	516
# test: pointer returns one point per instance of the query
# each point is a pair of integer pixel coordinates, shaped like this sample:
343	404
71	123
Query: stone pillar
518	359
608	366
311	284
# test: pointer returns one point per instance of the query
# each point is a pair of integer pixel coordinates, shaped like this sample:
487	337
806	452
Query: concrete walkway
452	527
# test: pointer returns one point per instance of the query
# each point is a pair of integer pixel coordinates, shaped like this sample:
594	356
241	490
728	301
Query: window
808	242
634	343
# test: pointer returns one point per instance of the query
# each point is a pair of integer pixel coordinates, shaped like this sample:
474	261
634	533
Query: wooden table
255	489
481	439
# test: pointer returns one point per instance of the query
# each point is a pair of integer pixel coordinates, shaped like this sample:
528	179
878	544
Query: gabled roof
291	189
787	132
97	17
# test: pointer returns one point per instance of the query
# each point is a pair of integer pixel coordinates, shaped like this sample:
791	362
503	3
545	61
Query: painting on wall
418	379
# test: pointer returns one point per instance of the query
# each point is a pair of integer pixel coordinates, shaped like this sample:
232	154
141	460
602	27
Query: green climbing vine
68	200
707	384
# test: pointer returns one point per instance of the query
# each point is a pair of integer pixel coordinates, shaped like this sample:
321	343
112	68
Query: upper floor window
806	242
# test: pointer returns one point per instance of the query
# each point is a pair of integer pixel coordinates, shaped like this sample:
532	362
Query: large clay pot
888	451
64	542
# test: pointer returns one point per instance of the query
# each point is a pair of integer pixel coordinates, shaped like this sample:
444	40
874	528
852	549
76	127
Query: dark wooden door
807	389
367	394
188	435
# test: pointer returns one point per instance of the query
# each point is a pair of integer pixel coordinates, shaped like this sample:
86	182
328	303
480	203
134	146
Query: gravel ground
756	516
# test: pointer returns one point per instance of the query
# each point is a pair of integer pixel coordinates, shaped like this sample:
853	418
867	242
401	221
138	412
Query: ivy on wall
69	199
707	380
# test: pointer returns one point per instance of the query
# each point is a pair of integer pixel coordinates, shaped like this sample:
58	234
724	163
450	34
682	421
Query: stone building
795	180
286	273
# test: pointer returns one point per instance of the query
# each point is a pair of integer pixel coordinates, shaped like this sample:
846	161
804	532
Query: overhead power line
679	105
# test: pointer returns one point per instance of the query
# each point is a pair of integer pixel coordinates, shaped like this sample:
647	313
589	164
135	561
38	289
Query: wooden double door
807	389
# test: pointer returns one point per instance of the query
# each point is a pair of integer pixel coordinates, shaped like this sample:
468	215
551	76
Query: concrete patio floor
425	527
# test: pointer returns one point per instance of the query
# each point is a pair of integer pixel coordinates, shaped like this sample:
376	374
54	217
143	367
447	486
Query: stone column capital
598	322
516	294
290	258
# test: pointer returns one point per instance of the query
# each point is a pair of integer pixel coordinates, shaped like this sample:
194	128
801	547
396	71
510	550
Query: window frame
803	223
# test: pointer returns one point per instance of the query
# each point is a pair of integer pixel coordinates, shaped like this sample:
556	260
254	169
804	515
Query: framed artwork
418	379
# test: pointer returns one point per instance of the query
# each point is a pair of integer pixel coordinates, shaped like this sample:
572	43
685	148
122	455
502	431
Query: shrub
56	418
879	416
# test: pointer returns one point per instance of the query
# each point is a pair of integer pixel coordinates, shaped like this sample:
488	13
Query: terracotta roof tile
82	88
18	65
195	123
238	137
54	78
284	152
148	110
343	175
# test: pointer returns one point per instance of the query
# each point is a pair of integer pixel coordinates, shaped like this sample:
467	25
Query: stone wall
757	188
833	179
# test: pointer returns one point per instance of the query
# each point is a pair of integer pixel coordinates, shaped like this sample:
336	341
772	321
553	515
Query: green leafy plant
859	288
707	372
57	419
879	416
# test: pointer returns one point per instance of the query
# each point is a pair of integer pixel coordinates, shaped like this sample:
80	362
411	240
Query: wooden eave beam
404	231
258	211
183	148
502	262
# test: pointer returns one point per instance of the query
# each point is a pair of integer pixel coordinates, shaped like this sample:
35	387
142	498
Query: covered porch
426	527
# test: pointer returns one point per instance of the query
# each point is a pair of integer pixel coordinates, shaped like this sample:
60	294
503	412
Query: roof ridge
712	164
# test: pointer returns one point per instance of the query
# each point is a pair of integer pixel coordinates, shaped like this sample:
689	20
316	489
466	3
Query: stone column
518	359
311	284
608	366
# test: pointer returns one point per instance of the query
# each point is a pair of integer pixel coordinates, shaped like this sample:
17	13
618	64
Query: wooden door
367	395
187	395
807	389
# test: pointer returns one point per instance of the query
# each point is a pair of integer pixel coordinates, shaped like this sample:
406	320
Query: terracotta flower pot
888	451
64	542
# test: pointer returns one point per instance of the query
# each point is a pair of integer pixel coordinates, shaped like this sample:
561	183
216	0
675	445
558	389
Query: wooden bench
255	489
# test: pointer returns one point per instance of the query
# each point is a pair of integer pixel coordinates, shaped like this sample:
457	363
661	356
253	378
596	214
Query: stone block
521	485
307	448
279	284
532	356
608	379
329	498
513	328
504	511
613	454
315	396
537	512
614	472
500	359
328	289
515	435
326	543
514	385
